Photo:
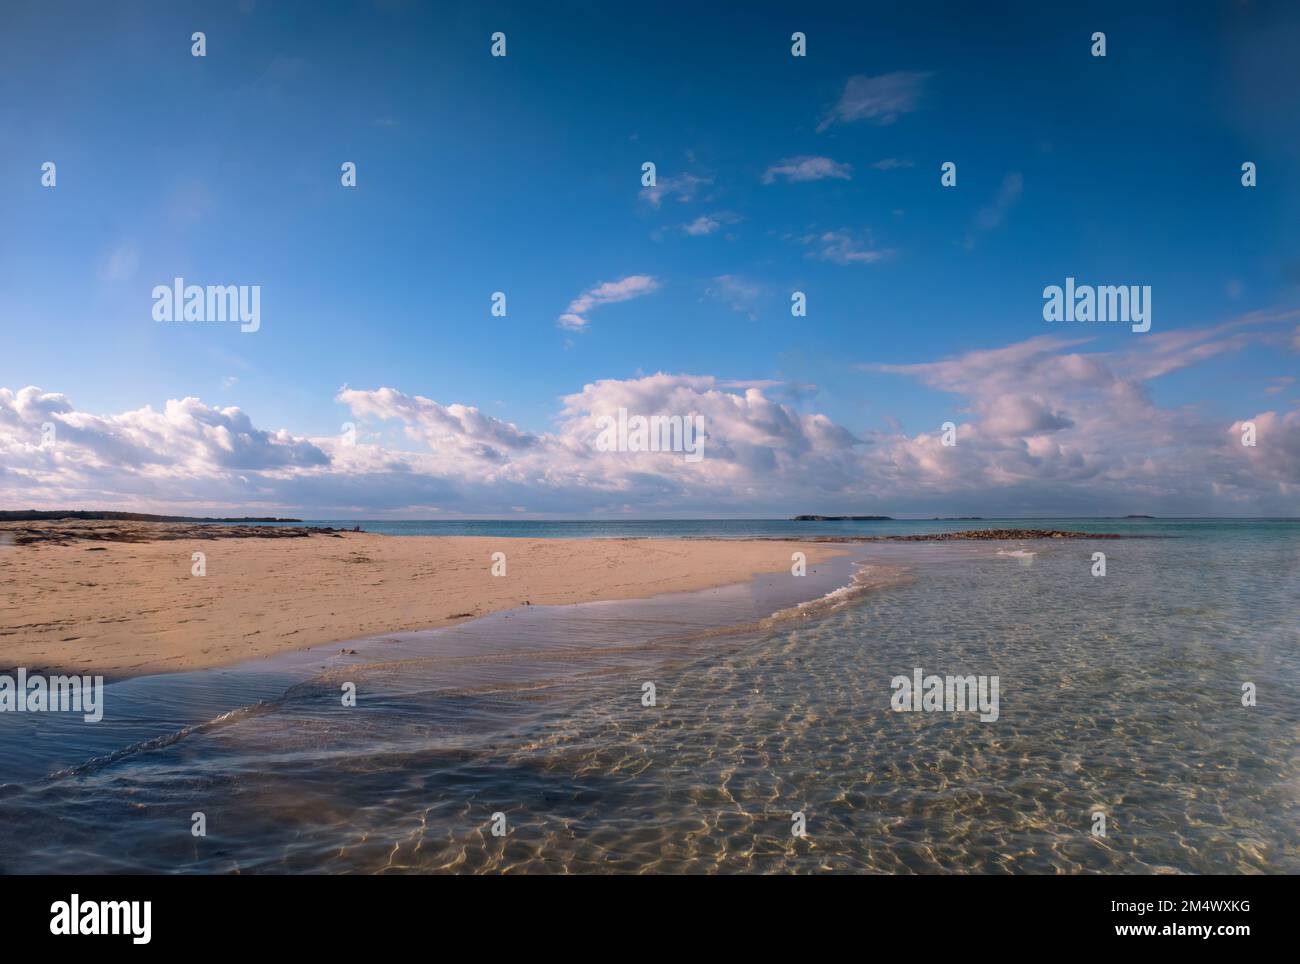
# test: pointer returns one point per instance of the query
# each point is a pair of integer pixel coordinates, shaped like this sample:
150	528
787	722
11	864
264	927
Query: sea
1148	721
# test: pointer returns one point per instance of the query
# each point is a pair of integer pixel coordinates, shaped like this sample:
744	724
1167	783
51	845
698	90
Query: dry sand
95	604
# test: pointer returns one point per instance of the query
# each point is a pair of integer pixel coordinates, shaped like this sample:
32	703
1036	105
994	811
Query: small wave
866	578
165	740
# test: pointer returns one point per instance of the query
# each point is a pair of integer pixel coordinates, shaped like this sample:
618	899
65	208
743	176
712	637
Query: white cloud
606	293
740	294
120	264
841	247
1009	192
878	99
1045	427
709	223
183	452
1276	452
682	187
807	168
704	224
453	429
1043	415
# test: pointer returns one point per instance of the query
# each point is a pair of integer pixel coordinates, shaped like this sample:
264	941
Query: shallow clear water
787	528
1119	694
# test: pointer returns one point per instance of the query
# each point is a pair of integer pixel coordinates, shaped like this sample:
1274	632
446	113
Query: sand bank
91	603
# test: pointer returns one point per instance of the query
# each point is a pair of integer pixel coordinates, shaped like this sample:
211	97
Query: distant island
36	515
842	518
1139	517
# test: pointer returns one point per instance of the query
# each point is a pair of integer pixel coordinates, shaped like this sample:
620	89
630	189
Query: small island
842	518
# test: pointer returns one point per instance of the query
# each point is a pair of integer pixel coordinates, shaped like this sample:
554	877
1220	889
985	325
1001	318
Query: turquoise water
787	529
1119	695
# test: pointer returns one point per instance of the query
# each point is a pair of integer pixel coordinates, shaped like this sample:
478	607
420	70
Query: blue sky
522	174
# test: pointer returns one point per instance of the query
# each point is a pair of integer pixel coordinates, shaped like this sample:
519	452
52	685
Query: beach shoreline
125	602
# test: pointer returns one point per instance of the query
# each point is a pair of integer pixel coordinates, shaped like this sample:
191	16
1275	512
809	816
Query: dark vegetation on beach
64	531
39	515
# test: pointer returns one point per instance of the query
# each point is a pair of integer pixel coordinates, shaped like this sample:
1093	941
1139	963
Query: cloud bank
1044	427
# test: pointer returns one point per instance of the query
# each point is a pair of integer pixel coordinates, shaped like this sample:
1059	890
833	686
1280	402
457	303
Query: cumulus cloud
878	99
1045	426
59	456
461	428
807	168
1276	452
750	438
462	460
606	293
186	437
1039	415
751	442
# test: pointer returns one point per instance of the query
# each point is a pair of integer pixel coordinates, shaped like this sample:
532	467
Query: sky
379	383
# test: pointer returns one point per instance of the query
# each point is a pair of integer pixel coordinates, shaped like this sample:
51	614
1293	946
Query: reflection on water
1120	695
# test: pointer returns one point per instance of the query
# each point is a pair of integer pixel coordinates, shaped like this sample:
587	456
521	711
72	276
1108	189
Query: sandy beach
79	598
